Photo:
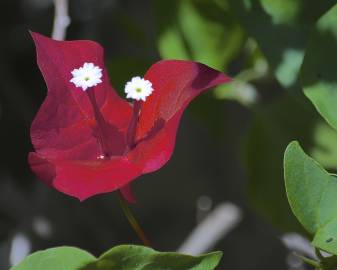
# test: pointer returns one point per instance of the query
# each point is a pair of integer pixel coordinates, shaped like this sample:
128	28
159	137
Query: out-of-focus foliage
281	28
202	30
319	77
310	188
275	124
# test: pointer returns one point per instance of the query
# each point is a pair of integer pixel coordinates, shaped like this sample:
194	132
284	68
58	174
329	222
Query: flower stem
131	133
309	261
319	254
132	220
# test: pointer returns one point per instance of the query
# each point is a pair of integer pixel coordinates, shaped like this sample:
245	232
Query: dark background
230	143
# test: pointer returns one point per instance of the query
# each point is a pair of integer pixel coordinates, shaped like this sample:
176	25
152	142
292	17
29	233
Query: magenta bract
73	128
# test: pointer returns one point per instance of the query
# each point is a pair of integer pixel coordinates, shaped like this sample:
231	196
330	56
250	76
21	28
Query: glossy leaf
124	257
319	77
312	194
61	258
129	257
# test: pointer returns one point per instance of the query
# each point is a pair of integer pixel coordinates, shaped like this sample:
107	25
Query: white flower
86	76
138	88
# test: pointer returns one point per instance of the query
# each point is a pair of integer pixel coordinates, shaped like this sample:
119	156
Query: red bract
74	128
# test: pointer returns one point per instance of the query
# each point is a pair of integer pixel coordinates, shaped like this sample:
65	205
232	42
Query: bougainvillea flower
87	139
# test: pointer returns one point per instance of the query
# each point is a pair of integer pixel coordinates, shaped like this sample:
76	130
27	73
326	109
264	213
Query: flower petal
176	83
65	125
153	152
83	179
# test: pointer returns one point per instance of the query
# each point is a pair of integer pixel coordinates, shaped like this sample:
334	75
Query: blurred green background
230	143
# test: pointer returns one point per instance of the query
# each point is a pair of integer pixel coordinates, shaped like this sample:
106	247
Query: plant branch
216	225
61	19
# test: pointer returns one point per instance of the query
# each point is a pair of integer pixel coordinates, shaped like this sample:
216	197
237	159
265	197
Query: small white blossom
138	88
86	76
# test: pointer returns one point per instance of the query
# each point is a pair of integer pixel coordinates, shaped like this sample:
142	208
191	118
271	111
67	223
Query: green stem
132	220
311	262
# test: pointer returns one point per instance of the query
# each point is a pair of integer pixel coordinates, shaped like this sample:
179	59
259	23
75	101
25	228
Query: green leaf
61	258
312	194
129	257
319	77
281	28
272	127
124	257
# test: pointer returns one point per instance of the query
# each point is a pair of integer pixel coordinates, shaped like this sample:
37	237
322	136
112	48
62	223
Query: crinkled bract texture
74	129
